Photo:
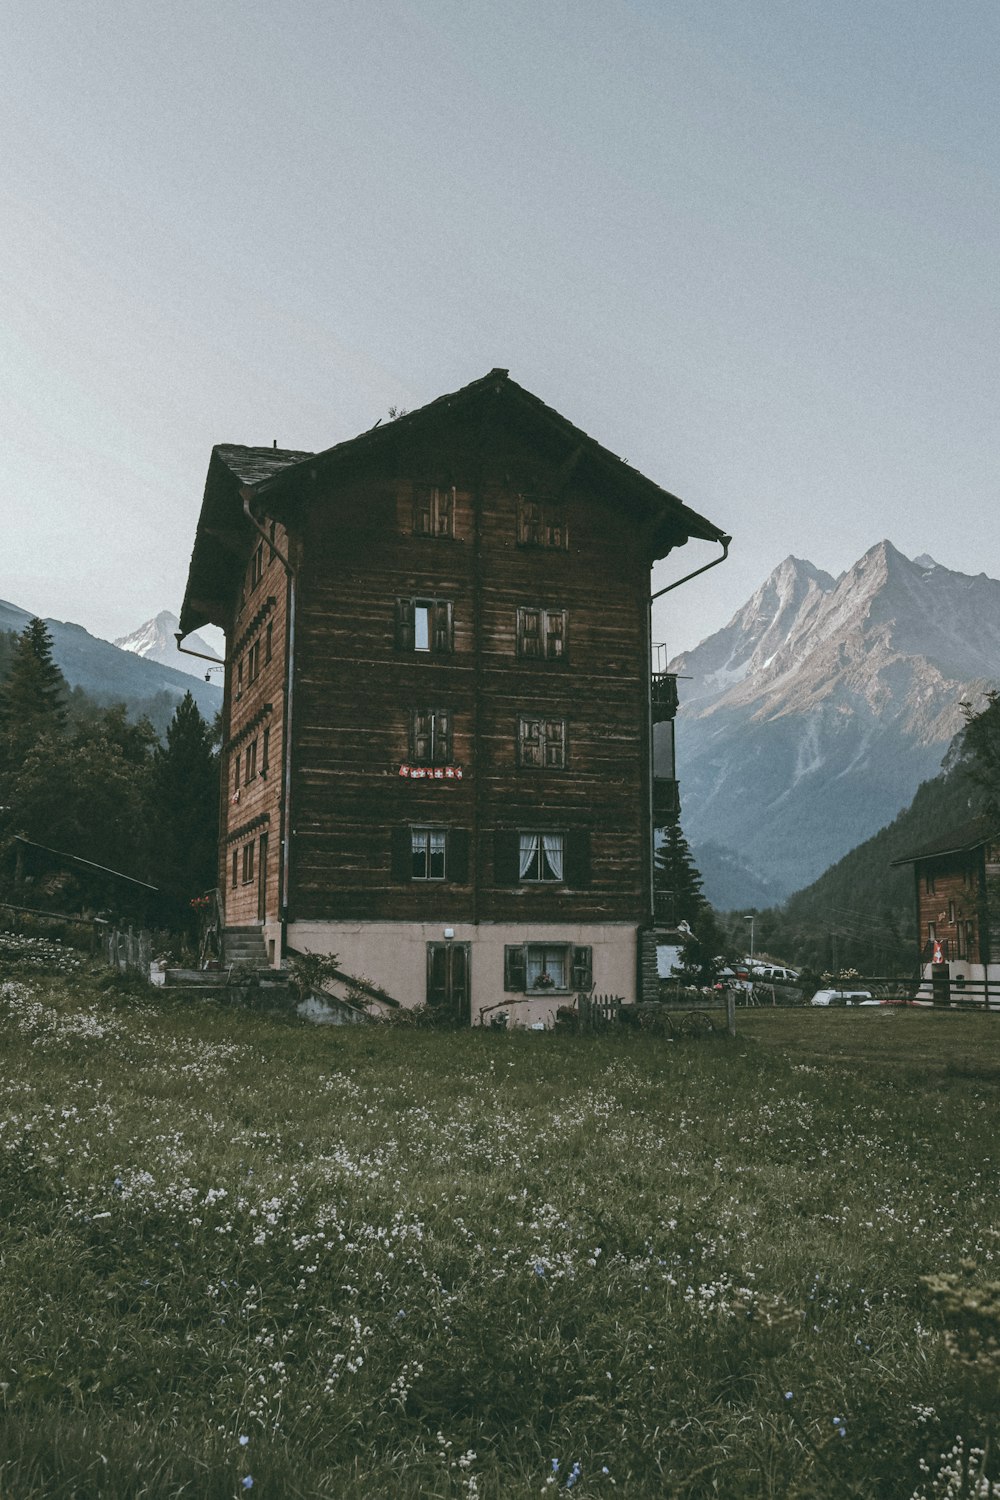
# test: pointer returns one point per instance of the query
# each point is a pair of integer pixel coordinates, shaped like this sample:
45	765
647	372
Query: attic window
434	510
541	522
257	566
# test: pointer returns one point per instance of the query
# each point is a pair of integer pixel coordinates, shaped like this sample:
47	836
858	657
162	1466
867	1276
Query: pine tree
185	808
981	751
676	878
33	696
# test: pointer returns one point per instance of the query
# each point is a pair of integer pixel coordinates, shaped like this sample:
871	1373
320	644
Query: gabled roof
254	465
277	476
967	836
498	385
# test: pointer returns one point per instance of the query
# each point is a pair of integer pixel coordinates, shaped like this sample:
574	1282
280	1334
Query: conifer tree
185	808
677	879
981	749
34	693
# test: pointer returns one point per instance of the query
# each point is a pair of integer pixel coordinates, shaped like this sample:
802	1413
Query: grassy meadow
239	1253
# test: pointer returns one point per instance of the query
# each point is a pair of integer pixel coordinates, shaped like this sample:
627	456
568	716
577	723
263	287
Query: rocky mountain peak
811	718
156	640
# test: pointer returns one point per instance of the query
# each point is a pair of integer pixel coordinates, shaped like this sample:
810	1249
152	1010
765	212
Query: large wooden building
439	700
956	890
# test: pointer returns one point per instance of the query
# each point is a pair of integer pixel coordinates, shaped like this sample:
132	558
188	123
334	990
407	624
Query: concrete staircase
243	945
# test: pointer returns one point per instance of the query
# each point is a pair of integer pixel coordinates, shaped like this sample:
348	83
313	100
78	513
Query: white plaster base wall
394	956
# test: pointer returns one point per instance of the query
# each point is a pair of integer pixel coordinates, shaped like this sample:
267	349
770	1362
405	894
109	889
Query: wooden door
448	979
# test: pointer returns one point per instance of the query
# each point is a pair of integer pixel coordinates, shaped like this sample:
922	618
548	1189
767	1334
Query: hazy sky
753	248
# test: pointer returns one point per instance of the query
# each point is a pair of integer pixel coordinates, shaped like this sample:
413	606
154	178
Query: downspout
725	542
247	494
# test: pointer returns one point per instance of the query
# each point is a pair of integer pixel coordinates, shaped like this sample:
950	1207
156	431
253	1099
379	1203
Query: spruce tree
676	878
33	696
185	809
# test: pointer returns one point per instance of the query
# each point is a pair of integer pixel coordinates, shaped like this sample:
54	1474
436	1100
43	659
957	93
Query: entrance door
262	879
448	979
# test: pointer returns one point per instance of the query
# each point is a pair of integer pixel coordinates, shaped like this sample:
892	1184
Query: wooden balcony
664	696
666	801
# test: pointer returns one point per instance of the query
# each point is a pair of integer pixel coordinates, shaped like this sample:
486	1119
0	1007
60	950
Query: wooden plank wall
354	689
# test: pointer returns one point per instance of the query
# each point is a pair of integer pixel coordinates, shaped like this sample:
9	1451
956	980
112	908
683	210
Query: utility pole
750	919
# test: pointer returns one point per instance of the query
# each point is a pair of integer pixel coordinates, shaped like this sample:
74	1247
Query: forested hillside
859	913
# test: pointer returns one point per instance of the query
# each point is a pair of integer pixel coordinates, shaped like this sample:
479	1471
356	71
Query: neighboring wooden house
438	700
957	902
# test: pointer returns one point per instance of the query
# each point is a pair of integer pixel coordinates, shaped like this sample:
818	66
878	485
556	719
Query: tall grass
240	1253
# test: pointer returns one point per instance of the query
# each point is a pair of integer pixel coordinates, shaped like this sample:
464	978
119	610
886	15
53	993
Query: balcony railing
664	696
666	801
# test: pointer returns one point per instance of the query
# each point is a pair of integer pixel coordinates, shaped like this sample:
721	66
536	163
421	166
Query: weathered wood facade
437	699
956	881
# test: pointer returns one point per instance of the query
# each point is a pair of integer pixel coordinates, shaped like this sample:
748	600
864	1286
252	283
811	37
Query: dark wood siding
355	690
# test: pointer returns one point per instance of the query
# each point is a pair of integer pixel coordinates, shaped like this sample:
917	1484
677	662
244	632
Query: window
541	856
541	633
273	530
239	678
538	967
434	510
268	642
253	661
541	742
236	868
951	912
257	566
929	883
250	759
425	625
430	736
425	853
236	780
265	752
531	857
248	853
932	932
428	853
540	522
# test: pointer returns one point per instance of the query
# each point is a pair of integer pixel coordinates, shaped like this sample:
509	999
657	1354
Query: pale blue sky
753	248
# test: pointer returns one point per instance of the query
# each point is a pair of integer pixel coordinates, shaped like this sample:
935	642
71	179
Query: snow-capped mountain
812	717
156	641
110	675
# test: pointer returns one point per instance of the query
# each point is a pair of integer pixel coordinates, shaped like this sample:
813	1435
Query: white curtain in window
552	843
529	852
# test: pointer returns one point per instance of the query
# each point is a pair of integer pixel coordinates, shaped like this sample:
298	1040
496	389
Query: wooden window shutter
443	637
515	968
420	735
555	742
402	854
529	742
583	969
404	624
577	848
456	865
529	632
445	511
442	736
555	634
506	859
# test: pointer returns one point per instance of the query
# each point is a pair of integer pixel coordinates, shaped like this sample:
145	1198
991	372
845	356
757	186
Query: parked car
843	997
